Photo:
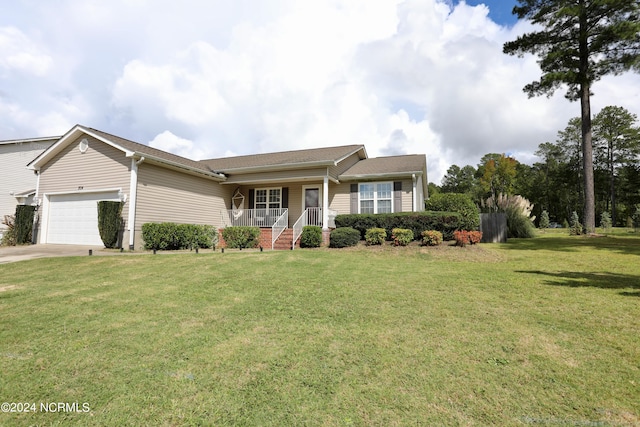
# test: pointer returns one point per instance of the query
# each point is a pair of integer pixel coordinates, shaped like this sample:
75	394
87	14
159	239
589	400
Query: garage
73	218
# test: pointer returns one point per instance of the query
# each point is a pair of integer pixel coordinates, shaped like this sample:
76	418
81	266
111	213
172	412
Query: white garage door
73	218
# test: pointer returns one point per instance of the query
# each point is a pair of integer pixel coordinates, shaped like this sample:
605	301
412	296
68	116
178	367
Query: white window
376	197
270	198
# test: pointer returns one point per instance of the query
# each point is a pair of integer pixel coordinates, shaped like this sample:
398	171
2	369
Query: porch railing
311	216
263	218
279	226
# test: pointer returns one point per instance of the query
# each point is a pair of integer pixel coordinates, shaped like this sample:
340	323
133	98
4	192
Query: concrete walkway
21	253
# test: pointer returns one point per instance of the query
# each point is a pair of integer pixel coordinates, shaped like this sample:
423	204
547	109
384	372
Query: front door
312	203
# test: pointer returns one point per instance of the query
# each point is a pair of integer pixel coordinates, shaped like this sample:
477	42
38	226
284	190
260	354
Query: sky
215	78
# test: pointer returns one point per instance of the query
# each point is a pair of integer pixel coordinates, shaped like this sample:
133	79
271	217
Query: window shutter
285	197
397	196
354	199
252	197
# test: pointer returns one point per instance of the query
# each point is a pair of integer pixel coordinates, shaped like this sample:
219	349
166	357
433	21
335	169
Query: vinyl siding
170	196
14	175
101	167
335	171
339	196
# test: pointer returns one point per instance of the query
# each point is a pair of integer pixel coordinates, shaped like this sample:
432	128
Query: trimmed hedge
109	222
241	237
444	222
456	202
344	237
311	236
172	236
24	223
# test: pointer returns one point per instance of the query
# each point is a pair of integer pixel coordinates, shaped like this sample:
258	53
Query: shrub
475	237
311	236
109	222
241	237
518	211
172	236
459	203
464	237
402	236
343	237
605	220
544	219
565	223
375	236
445	222
431	238
24	223
575	228
461	237
9	235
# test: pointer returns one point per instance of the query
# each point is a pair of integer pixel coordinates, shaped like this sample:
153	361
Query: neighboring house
17	183
279	192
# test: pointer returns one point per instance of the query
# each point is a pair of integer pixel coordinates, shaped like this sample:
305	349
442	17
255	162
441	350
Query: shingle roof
149	151
317	156
392	165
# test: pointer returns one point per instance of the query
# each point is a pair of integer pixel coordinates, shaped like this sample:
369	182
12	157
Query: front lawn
542	331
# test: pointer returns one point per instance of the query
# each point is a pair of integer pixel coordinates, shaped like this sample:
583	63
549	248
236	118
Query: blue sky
214	78
499	10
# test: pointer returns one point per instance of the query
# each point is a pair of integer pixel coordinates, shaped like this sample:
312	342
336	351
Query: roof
142	149
285	159
49	139
130	148
387	166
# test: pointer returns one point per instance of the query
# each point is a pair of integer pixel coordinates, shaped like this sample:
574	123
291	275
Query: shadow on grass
574	279
625	245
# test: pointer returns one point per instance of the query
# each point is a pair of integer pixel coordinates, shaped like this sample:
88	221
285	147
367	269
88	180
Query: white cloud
19	53
167	141
215	78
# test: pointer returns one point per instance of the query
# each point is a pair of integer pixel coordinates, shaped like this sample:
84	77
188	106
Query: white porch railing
279	226
252	217
311	216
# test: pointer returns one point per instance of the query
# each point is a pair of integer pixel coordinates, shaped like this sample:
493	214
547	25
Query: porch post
325	203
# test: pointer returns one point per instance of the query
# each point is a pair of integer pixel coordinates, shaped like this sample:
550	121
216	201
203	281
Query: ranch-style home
278	192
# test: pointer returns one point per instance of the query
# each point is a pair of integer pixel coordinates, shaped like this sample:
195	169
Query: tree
616	144
498	174
580	41
459	180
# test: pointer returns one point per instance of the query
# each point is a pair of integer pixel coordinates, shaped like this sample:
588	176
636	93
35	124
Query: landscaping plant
431	238
402	236
375	236
343	237
311	236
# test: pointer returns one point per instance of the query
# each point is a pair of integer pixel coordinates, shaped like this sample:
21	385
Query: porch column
325	203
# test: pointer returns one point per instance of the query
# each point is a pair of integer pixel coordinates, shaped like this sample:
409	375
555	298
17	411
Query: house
278	192
17	183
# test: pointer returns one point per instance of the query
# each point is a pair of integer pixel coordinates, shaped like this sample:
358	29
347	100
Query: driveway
21	253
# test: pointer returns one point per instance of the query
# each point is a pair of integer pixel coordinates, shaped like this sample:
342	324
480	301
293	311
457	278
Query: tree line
555	183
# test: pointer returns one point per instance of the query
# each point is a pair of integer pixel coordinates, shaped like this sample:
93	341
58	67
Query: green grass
542	331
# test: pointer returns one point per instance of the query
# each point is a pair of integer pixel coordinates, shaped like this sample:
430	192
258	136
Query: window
270	198
376	197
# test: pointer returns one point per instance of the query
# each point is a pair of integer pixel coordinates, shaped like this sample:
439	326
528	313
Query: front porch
277	231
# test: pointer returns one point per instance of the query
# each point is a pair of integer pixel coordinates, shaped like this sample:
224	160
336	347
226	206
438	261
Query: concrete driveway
21	253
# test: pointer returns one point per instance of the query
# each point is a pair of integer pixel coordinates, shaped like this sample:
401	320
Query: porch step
284	241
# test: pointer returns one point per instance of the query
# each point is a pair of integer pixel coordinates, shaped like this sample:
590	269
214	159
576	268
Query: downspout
415	192
36	217
133	196
325	203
